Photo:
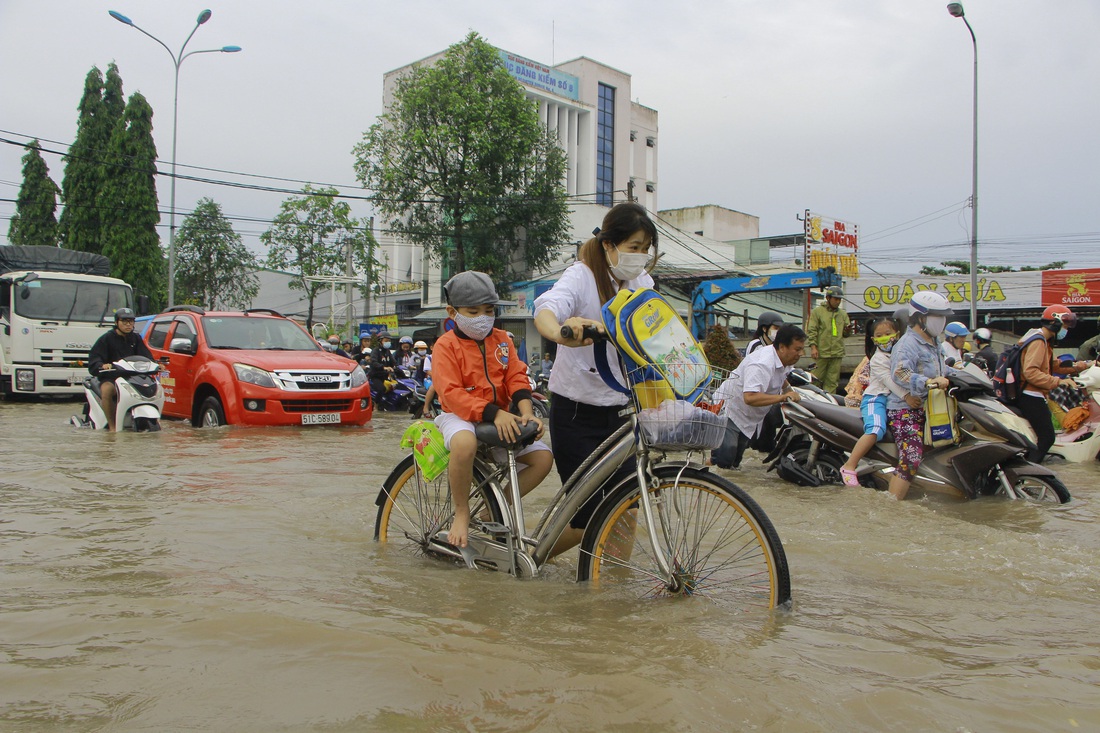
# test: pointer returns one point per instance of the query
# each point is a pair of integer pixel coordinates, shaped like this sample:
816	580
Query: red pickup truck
253	367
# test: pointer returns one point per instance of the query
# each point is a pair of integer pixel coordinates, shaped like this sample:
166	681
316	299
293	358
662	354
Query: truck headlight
252	375
24	380
358	377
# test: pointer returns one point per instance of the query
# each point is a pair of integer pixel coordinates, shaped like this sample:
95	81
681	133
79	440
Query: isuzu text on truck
54	304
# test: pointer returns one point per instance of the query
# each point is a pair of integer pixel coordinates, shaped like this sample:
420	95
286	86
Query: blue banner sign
540	76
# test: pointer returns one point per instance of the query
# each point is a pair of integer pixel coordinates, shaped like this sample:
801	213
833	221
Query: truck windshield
47	299
247	332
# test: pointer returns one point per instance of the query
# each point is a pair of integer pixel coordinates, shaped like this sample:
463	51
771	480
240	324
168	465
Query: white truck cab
54	304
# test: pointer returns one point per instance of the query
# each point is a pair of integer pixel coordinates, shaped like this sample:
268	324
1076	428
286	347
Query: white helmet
928	302
420	345
983	334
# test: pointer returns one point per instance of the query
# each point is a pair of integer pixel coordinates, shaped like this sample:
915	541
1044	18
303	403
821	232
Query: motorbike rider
954	340
1039	367
120	342
405	355
916	364
1090	350
985	356
334	347
767	325
382	365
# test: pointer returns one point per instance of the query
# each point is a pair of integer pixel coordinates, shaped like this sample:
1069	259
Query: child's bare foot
460	530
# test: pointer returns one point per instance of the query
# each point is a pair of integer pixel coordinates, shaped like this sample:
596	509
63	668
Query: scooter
140	397
396	398
1081	444
972	468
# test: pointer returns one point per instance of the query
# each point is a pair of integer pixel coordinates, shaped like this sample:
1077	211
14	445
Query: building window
650	186
605	146
651	142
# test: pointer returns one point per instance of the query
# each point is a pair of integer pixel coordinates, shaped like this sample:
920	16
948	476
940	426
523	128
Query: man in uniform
825	337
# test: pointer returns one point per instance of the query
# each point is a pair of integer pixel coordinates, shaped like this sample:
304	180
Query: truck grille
313	380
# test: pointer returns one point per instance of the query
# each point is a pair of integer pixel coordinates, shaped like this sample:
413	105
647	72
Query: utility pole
370	272
349	312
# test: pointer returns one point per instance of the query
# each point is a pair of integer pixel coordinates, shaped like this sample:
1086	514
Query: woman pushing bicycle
584	411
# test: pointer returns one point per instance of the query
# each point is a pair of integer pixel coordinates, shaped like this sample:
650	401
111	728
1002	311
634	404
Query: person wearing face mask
1039	366
583	409
382	364
826	330
881	335
479	378
766	327
916	364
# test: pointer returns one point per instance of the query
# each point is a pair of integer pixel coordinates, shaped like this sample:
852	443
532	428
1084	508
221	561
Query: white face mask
477	327
631	265
422	352
771	333
933	325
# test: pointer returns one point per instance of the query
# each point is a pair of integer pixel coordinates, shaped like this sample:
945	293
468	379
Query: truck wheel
211	414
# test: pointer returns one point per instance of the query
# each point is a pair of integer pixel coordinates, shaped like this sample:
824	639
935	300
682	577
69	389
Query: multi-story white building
610	143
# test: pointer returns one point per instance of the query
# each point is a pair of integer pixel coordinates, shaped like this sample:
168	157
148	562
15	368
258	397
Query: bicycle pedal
493	528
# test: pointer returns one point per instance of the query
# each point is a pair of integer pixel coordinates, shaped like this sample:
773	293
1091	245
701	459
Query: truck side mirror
182	346
143	305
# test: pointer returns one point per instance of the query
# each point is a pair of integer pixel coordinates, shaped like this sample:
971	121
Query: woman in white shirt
583	410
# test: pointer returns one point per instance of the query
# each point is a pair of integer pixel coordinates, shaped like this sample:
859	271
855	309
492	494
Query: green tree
101	107
962	267
461	165
310	238
213	267
35	218
128	204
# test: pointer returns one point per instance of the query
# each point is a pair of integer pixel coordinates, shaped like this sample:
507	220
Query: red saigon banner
1071	287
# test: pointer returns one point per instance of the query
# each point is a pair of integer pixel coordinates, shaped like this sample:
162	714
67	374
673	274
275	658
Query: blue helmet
955	328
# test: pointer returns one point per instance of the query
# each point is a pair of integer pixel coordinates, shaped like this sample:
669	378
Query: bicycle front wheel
412	509
717	541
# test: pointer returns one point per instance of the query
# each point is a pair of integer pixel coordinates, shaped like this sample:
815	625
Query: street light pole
177	61
956	10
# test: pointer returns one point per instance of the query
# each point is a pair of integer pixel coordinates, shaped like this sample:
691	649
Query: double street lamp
956	9
177	61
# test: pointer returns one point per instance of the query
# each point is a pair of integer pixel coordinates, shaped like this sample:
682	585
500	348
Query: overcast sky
860	111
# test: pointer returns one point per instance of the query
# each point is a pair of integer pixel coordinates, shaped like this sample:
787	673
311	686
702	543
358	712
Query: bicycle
673	528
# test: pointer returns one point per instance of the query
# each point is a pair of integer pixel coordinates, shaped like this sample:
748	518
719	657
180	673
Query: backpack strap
603	366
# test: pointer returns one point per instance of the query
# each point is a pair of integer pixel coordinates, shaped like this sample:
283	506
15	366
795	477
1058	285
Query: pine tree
101	107
213	267
720	350
35	219
128	204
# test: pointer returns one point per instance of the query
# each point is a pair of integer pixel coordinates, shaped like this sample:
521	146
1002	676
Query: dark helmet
768	319
124	314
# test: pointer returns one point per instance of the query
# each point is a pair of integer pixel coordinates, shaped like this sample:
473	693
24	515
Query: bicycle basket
428	451
671	424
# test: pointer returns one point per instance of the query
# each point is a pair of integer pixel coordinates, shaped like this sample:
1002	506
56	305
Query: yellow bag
940	411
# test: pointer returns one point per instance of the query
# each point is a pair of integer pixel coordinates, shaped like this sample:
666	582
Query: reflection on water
226	580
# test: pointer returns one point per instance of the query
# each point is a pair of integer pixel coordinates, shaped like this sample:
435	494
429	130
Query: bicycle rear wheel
718	542
412	509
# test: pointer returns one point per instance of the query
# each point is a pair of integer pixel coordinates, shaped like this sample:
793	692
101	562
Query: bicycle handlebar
588	332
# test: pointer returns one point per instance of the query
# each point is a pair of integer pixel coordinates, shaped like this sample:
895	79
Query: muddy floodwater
227	580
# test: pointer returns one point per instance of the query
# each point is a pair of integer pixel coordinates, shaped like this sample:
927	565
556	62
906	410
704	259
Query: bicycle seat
486	432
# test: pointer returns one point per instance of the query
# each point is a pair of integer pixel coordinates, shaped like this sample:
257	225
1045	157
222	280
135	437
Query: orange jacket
476	379
1039	366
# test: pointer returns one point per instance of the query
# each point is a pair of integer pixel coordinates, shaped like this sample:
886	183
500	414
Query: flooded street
227	580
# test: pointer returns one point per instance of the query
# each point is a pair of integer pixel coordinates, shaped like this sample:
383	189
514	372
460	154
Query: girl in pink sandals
880	339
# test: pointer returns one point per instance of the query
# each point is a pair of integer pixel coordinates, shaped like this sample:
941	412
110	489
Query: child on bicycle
878	342
479	379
